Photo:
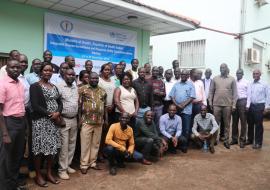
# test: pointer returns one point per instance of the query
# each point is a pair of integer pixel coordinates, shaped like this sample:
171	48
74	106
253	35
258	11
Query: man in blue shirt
182	94
34	76
257	100
170	126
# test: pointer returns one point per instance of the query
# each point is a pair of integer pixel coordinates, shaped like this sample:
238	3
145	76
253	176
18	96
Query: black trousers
239	113
147	146
11	154
255	120
182	142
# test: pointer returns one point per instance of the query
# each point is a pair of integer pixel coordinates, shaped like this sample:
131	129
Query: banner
86	40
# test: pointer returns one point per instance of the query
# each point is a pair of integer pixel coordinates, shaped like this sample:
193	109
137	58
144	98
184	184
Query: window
150	58
191	54
3	59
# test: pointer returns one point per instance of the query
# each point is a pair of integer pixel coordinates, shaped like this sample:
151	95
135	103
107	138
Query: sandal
53	181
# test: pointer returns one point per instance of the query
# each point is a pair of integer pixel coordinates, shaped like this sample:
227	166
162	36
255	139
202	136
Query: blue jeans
118	156
141	112
186	121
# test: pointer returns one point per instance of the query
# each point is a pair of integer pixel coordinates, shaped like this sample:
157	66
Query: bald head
257	75
224	69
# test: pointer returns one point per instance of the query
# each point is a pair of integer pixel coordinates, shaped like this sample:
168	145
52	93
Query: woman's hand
54	115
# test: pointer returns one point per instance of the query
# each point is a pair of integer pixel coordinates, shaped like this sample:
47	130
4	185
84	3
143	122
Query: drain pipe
242	30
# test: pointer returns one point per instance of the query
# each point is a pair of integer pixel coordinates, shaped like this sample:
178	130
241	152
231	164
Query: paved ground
232	169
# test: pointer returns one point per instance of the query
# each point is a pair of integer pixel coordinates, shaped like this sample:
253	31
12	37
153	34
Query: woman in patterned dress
47	106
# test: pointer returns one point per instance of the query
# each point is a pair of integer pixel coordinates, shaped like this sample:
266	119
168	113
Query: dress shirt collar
10	80
171	81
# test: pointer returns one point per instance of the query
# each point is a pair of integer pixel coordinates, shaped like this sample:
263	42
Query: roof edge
194	22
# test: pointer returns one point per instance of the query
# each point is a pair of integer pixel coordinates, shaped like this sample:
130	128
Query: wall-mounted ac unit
253	56
261	2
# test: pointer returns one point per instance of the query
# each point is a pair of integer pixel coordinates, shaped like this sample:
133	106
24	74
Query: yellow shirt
118	138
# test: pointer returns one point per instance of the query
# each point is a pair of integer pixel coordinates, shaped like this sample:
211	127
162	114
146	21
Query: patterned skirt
45	137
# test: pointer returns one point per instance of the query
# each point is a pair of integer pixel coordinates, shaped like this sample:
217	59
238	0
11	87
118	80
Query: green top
144	130
92	101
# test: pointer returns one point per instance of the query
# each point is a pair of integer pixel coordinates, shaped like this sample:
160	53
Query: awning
126	12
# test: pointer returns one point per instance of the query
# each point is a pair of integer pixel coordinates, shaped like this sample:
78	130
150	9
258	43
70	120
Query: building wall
21	27
223	15
255	18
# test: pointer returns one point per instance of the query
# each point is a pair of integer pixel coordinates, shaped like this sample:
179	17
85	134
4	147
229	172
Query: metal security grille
3	59
191	54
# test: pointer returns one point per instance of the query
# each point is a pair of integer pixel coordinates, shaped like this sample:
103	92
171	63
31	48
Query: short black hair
126	74
81	74
44	64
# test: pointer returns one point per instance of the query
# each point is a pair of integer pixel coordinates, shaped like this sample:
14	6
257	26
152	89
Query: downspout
242	30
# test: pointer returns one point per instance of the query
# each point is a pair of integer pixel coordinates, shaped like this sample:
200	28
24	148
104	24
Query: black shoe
113	170
242	145
221	139
212	149
248	142
21	188
227	145
257	146
173	151
121	165
184	150
233	142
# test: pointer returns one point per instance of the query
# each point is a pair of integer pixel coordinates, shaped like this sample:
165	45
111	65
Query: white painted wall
223	15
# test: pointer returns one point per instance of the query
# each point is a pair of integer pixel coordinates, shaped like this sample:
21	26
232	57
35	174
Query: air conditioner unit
261	2
253	56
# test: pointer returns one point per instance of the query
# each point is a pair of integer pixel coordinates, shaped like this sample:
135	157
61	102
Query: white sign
87	41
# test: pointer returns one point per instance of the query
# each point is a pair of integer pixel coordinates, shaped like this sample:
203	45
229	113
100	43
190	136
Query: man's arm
195	127
248	96
5	135
215	125
235	95
211	93
179	128
131	143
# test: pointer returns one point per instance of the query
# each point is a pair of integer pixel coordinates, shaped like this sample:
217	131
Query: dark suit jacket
38	102
203	80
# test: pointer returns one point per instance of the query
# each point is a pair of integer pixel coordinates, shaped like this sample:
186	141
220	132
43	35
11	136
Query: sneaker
71	170
63	175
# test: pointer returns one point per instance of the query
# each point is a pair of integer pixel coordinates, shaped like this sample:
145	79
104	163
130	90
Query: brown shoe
146	162
83	171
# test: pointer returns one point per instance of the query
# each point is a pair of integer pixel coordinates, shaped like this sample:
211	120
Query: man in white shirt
169	82
240	111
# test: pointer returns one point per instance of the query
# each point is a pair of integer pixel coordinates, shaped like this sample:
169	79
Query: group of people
119	114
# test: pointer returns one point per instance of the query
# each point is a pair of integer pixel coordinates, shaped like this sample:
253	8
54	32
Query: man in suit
207	82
